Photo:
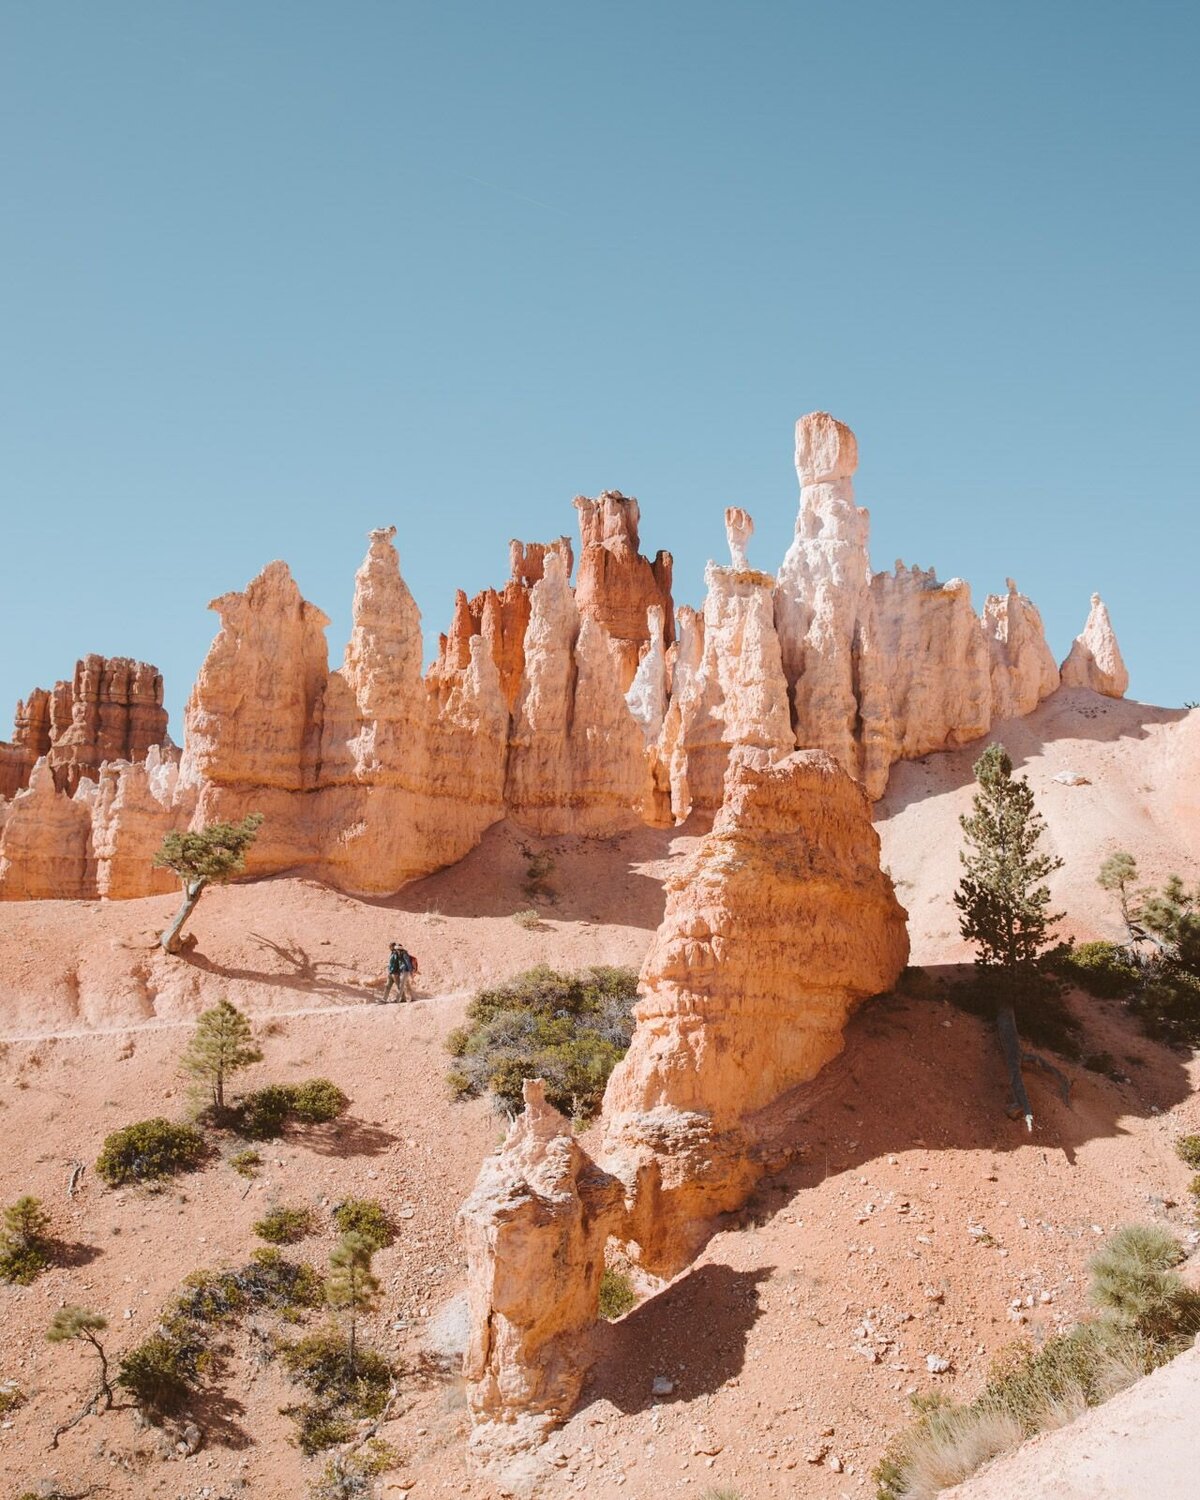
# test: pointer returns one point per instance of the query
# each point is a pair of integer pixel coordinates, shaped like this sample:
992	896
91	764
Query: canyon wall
776	929
571	710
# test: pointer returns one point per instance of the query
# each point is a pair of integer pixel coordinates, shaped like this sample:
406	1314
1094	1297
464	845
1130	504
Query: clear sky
274	273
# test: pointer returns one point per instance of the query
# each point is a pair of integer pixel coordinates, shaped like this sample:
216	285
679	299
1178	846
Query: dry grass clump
530	919
1148	1315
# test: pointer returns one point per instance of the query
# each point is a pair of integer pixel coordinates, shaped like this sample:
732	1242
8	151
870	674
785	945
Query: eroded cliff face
573	710
778	927
112	709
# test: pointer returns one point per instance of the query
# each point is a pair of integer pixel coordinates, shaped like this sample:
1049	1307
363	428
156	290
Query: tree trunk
351	1361
1010	1045
105	1387
191	894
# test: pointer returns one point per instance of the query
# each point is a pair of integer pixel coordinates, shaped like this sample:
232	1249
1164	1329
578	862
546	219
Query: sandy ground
914	1219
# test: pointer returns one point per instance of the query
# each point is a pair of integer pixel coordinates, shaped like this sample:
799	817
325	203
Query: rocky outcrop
111	710
535	1228
1023	669
735	693
777	928
1095	659
617	586
576	757
574	711
134	806
45	842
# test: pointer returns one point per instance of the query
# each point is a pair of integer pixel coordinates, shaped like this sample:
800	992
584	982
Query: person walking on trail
402	966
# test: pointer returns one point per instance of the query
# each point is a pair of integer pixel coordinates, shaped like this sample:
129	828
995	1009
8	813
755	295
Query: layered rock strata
112	709
777	928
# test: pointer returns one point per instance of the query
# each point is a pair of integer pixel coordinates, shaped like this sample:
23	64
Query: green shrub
1135	1282
246	1163
263	1114
161	1372
26	1249
1187	1149
569	1029
284	1226
1168	1005
1102	969
367	1217
210	1297
317	1101
321	1363
286	1287
349	1475
149	1150
617	1295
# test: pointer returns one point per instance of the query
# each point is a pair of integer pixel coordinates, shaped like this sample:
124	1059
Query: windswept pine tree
207	856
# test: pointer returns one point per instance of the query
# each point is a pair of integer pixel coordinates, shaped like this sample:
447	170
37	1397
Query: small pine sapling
221	1045
351	1287
1005	905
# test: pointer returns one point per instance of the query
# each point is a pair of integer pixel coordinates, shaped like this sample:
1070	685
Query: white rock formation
1095	658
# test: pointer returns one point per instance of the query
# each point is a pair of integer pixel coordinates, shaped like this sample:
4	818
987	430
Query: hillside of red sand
916	1220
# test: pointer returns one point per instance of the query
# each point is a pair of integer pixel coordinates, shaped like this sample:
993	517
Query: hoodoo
780	925
572	710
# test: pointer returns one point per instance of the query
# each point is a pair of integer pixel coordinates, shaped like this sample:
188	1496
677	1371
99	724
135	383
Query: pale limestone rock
412	771
737	695
823	609
535	1227
1022	667
647	695
45	846
936	661
576	759
1095	659
133	809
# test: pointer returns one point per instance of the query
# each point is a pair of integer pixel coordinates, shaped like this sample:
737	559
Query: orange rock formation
780	925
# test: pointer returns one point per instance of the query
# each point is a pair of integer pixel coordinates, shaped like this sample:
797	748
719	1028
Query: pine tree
350	1285
1005	902
208	856
1119	873
81	1323
221	1045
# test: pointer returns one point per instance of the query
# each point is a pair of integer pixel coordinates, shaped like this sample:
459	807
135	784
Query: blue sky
276	273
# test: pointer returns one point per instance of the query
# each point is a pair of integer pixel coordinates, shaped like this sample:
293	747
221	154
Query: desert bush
1135	1282
348	1475
12	1398
148	1150
1187	1149
284	1225
26	1248
617	1295
569	1029
1168	1005
316	1101
210	1297
1148	1316
246	1163
161	1372
530	919
347	1387
367	1217
286	1287
263	1114
1102	969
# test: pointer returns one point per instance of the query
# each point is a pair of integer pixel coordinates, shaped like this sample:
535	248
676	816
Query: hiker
401	968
